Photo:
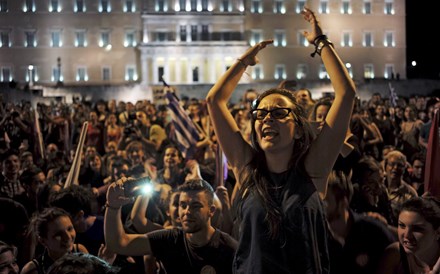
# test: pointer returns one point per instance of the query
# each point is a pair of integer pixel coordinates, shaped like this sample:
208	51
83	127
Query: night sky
423	38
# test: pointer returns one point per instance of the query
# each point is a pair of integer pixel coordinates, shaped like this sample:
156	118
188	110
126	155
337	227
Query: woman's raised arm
236	149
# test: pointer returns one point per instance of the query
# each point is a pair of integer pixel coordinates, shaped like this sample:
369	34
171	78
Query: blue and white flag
186	133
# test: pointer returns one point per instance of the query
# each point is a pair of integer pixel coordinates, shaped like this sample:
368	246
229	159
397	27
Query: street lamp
30	70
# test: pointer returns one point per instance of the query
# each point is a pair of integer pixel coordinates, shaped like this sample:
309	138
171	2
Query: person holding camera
196	247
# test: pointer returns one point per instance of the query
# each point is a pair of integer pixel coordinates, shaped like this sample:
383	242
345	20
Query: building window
301	71
104	41
205	5
80	6
346	39
323	7
195	74
4	39
130	39
182	5
129	6
257	72
300	6
368	71
194	32
81	74
256	6
225	5
278	7
368	39
280	72
349	69
205	33
389	39
130	74
256	37
31	40
161	36
389	71
346	7
301	39
55	41
80	39
106	73
104	6
160	6
193	5
6	75
54	6
56	75
3	5
323	72
29	6
389	7
279	38
367	7
183	33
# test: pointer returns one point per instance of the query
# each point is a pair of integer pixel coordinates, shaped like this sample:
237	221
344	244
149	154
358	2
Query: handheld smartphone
136	187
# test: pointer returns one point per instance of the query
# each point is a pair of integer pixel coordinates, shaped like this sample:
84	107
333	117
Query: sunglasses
276	113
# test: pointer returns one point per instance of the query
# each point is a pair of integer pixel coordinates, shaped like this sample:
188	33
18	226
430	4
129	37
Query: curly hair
426	206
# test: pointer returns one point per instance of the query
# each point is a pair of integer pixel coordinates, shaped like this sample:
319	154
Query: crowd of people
328	185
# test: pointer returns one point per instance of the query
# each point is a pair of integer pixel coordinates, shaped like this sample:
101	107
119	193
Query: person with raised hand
283	173
195	247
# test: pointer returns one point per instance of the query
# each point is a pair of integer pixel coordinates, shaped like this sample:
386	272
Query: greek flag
393	95
185	131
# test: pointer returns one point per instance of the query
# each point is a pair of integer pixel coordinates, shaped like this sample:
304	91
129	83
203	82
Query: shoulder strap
38	266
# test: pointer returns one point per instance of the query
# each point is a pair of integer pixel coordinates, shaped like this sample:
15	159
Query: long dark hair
256	177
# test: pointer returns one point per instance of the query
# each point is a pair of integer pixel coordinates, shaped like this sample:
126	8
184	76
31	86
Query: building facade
190	43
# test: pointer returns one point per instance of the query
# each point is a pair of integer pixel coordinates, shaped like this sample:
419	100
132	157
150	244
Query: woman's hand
250	57
316	31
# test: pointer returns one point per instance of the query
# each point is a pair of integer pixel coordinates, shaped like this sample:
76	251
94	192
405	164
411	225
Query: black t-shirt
178	255
93	237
